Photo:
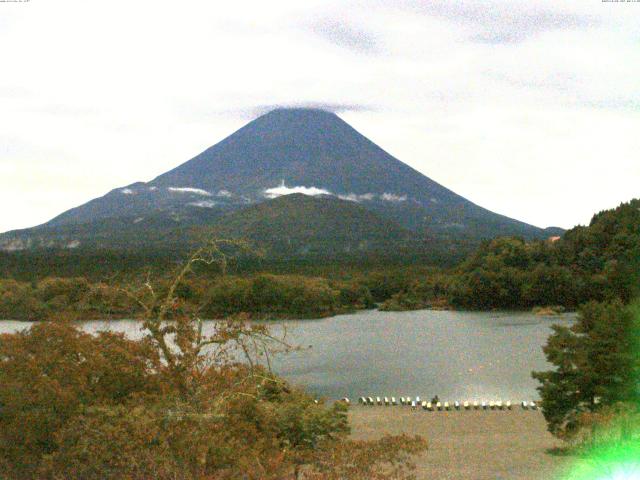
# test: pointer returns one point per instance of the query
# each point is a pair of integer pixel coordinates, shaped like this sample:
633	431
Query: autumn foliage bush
175	404
51	373
71	298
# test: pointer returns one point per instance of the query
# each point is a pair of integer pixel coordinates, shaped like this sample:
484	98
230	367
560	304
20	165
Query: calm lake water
457	355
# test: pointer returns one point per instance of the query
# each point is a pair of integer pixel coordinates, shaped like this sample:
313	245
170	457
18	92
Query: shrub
19	302
50	372
271	295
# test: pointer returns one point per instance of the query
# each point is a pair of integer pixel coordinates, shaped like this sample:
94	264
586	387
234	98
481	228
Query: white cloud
127	191
203	204
224	193
391	197
284	190
197	191
354	197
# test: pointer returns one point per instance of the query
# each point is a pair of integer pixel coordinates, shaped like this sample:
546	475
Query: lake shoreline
266	318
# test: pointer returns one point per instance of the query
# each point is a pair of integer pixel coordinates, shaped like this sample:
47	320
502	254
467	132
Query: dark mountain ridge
285	151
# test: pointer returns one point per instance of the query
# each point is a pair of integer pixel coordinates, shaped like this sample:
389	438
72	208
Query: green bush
71	289
271	295
18	301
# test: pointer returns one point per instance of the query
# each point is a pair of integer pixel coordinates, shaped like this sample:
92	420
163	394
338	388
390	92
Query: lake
457	355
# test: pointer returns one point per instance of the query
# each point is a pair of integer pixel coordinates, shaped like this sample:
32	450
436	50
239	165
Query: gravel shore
469	445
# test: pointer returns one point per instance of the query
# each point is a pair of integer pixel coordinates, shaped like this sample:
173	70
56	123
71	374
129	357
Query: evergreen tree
596	363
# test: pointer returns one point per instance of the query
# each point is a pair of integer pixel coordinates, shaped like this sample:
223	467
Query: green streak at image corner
620	461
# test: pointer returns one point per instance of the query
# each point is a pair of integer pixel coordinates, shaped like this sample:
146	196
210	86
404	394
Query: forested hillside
599	262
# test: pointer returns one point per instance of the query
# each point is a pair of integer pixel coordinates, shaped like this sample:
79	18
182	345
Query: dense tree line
599	262
283	295
591	397
98	264
259	296
92	264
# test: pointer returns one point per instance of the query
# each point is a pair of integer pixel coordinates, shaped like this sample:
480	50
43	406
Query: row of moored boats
440	406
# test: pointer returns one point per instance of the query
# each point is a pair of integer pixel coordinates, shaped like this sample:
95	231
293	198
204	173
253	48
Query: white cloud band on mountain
197	191
203	204
313	191
284	190
354	197
392	197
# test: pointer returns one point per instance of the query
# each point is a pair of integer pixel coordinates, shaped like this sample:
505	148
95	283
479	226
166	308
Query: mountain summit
292	150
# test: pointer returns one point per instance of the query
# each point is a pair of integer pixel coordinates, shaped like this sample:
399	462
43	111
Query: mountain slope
288	226
285	151
301	225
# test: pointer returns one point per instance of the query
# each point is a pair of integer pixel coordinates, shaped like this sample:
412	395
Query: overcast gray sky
529	108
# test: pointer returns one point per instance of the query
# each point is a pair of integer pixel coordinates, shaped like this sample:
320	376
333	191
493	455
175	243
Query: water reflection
457	355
